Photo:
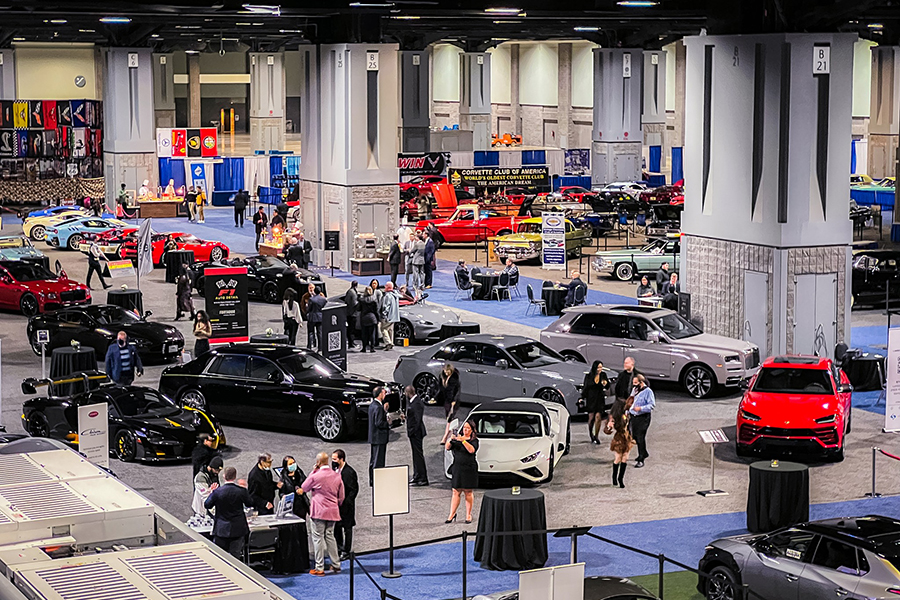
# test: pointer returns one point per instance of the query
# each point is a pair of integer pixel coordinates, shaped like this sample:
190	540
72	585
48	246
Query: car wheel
568	440
550	472
551	395
404	329
125	446
74	241
270	293
38	233
624	271
29	305
35	347
329	424
722	584
193	399
426	385
571	354
216	254
698	380
38	426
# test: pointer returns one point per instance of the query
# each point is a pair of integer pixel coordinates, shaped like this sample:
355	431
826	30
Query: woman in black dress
448	393
292	550
464	469
596	387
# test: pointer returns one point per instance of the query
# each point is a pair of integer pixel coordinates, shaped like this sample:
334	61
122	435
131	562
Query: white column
884	114
475	97
414	108
8	75
653	114
616	151
267	101
164	89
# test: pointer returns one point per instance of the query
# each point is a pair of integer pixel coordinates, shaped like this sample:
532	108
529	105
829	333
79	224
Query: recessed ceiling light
155	35
55	21
500	39
263	9
18	39
637	3
406	17
87	31
290	31
187	27
503	11
192	52
875	26
587	29
371	4
506	22
257	24
116	20
243	24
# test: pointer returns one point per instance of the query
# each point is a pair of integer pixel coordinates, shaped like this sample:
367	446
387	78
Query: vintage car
267	277
663	194
471	223
19	247
582	215
69	234
36	227
32	289
526	243
664	219
520	437
625	264
144	425
872	273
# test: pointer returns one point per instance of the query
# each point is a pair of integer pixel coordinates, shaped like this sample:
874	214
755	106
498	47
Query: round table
555	299
68	360
778	496
127	299
487	281
174	259
501	512
275	338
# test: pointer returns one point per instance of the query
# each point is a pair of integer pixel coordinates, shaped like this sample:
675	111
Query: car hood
506	449
52	285
569	372
148	330
18	253
719	343
435	314
786	410
519	238
351	382
179	426
608	254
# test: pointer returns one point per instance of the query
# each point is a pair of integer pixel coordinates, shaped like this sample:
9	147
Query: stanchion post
352	560
662	566
465	538
391	573
873	493
43	361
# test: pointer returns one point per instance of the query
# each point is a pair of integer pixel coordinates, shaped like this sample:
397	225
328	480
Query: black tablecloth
778	496
487	281
128	299
501	512
68	360
291	550
555	298
174	260
275	338
865	372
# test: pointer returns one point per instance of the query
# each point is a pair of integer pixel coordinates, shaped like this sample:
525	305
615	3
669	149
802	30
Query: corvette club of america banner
182	143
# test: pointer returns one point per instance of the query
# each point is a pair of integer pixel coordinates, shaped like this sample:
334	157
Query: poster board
390	491
423	163
93	433
553	240
528	177
553	583
892	393
226	304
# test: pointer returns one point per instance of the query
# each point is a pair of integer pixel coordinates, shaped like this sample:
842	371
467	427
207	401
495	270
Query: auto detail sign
529	177
93	433
429	163
892	402
226	304
553	240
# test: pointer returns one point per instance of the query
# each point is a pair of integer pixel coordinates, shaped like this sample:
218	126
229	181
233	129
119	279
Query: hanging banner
164	143
209	141
429	163
179	143
553	240
226	304
93	433
193	142
198	175
892	396
537	177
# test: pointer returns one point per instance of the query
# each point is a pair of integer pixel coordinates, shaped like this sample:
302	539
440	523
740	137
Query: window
304	367
465	353
72	318
142	402
534	354
264	370
229	365
676	327
491	354
778	380
793	543
602	325
507	425
637	329
836	555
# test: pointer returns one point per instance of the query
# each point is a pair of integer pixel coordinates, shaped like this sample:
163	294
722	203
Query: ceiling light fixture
243	24
192	52
155	35
587	29
503	11
55	21
263	9
637	3
371	4
875	26
116	20
290	31
406	17
87	31
506	22
18	39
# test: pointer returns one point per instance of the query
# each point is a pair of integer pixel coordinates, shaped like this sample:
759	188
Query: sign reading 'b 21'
181	143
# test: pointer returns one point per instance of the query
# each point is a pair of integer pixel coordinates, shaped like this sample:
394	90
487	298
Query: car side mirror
274	377
654	337
148	313
744	385
502	364
845	388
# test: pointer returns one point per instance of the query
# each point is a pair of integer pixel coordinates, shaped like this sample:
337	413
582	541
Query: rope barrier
888	454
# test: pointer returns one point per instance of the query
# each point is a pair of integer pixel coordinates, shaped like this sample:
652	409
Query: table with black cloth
68	360
275	338
487	281
501	512
127	299
174	260
555	299
778	496
865	372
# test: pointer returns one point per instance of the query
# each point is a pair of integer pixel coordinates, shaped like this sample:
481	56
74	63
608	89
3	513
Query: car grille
72	296
827	435
752	360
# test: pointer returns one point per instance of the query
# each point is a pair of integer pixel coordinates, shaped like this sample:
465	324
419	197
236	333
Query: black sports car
267	277
280	386
872	273
97	326
143	424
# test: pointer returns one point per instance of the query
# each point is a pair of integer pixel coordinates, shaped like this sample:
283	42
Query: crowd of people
667	287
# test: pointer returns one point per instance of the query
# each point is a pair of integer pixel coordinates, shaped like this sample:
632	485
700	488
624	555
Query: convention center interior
450	299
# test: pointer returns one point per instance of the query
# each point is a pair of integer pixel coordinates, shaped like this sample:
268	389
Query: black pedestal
174	259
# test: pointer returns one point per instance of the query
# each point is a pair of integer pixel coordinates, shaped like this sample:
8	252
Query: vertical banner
164	143
93	433
209	142
193	142
553	240
226	304
892	397
198	175
179	143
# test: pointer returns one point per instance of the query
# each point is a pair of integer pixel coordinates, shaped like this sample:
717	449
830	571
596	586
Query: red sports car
422	183
663	194
472	223
795	404
32	289
203	250
573	191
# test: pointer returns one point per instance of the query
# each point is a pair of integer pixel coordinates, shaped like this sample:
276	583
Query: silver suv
664	345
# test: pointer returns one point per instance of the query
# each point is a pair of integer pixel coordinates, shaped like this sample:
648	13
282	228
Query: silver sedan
429	322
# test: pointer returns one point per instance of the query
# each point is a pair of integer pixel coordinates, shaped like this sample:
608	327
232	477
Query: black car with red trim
267	277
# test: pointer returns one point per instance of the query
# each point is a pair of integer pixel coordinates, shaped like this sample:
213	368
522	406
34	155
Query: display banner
181	143
163	143
429	163
226	304
501	177
553	240
193	142
209	141
198	175
93	433
892	396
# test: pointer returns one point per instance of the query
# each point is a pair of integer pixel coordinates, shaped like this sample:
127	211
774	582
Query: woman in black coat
292	549
596	387
368	319
448	393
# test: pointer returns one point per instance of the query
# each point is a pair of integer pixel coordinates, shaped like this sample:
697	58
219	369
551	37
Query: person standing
429	259
190	203
292	549
203	452
183	294
464	470
624	382
260	220
343	531
121	201
95	258
205	483
378	431
622	442
394	257
639	416
326	491
305	251
390	313
202	333
240	205
230	525
662	277
418	263
290	314
415	431
351	299
201	202
261	486
368	319
594	390
408	254
123	361
96	207
449	392
314	322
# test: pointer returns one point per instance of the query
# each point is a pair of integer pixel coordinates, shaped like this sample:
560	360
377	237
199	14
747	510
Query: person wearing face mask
205	483
261	486
123	361
292	549
343	529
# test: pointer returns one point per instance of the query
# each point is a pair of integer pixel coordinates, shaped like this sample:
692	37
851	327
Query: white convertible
525	437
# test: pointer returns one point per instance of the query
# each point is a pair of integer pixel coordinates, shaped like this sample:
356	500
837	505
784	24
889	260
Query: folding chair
532	302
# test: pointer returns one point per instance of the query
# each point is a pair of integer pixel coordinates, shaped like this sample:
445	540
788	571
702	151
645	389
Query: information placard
93	433
390	491
121	268
226	304
892	394
553	240
529	177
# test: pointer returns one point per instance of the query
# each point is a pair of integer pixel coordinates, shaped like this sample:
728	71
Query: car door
464	356
227	391
774	568
9	292
271	394
833	572
600	337
654	358
494	382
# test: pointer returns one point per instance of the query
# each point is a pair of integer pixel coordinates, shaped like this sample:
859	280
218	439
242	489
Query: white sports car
525	437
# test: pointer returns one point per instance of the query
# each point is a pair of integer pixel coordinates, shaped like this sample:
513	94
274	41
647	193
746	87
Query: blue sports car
52	211
69	234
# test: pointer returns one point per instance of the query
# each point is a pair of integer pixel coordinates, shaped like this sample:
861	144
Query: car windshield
14	242
506	425
265	262
781	380
655	247
534	354
108	315
23	271
676	327
147	403
306	366
529	228
187	238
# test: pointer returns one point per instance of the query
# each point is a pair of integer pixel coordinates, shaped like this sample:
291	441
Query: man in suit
230	526
394	257
415	431
240	205
378	431
306	249
418	262
343	532
430	250
203	452
573	285
670	292
260	220
465	278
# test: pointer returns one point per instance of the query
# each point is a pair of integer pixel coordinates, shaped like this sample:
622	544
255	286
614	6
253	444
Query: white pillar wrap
267	101
617	135
475	97
884	123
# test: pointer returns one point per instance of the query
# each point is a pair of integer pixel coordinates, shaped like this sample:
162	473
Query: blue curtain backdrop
677	166
853	156
292	166
487	158
276	168
534	157
655	159
171	168
228	175
568	180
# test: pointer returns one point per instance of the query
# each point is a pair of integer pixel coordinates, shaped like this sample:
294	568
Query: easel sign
712	437
390	496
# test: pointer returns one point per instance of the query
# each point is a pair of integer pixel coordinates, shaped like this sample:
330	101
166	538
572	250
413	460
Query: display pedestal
160	208
366	266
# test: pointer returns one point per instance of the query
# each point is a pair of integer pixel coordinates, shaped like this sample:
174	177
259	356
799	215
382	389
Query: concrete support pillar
766	233
415	112
164	89
267	101
193	65
884	113
675	121
129	132
564	102
514	106
653	115
616	148
475	97
8	74
349	175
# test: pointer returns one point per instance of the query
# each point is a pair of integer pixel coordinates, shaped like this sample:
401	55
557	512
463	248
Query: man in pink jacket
326	493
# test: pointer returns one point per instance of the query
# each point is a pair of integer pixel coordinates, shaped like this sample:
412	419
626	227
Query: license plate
173	348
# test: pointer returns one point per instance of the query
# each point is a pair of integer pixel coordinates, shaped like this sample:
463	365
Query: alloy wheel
38	232
551	395
624	272
719	587
29	305
698	381
426	385
270	293
216	254
38	426
74	241
403	330
329	424
194	399
126	446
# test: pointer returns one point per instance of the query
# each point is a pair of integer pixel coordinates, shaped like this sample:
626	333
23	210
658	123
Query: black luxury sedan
276	386
144	425
267	277
873	272
98	325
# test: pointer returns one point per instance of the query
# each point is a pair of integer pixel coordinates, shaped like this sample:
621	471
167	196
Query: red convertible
31	289
472	223
203	250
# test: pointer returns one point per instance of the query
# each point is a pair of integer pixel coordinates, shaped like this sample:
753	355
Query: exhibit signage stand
892	389
712	437
43	338
390	496
332	244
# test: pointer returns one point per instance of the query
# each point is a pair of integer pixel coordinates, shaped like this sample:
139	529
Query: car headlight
733	358
52	295
424	322
823	420
531	457
750	416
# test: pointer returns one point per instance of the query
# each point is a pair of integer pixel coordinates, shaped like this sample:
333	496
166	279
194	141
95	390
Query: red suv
795	404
